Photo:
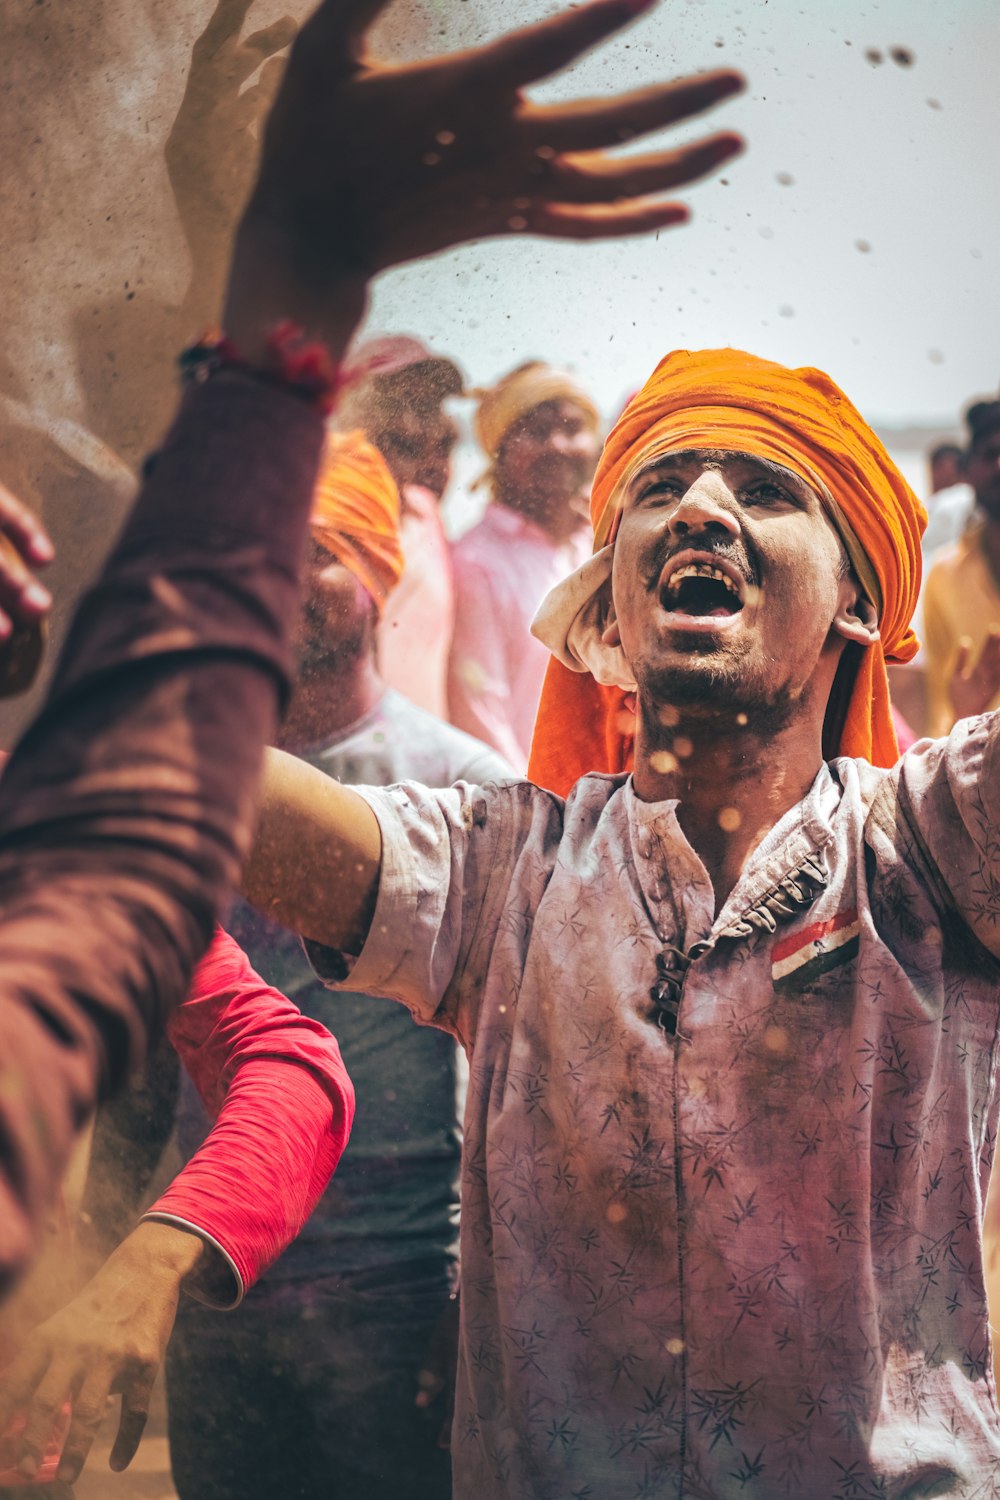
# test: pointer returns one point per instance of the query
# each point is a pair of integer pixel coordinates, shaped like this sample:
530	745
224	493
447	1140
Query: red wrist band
305	369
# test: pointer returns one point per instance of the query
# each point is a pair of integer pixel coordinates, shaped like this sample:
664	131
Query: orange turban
727	400
355	513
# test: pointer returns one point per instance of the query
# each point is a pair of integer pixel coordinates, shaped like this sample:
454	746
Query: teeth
702	570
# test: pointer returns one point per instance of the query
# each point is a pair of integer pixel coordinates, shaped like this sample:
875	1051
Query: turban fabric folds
355	513
726	400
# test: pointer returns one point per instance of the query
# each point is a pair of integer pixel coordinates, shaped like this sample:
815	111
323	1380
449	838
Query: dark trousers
306	1392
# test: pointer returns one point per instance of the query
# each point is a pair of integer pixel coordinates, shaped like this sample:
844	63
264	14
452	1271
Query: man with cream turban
727	972
334	1339
538	429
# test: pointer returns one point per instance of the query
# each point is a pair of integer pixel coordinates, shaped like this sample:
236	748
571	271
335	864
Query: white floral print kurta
742	1258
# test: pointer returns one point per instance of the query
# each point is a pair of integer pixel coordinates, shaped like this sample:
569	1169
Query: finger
89	1410
221	33
25	529
589	180
20	1380
58	1386
22	597
225	24
337	26
589	124
271	39
963	654
132	1423
254	102
567	222
535	52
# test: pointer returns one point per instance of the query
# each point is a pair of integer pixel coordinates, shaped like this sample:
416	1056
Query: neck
732	782
328	699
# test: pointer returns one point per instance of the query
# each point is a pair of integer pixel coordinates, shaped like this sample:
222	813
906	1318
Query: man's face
338	613
982	470
548	457
417	442
946	470
727	577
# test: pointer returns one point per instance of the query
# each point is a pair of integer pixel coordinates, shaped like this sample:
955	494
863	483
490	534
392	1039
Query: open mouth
701	590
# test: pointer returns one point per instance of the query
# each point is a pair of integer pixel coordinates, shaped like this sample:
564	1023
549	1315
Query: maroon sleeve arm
125	810
277	1083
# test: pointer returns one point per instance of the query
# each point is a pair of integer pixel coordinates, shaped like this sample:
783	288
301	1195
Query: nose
708	504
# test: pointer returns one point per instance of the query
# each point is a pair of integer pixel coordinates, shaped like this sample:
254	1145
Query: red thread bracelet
305	369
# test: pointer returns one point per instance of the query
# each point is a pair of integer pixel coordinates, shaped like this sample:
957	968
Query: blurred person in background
325	1358
395	389
961	597
946	463
540	431
951	499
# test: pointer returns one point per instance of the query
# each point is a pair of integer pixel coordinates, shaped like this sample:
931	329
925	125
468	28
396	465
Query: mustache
737	555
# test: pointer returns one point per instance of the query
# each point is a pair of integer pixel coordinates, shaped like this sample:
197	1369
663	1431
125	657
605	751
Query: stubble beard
713	690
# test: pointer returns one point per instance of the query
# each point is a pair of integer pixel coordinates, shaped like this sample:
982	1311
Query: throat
732	783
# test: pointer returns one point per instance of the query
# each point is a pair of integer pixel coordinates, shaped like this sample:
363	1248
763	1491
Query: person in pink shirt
395	391
539	430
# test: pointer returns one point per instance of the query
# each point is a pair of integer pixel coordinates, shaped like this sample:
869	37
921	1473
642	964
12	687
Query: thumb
963	656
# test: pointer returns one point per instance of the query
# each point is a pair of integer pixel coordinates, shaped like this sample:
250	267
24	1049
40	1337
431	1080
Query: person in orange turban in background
355	514
727	401
345	1337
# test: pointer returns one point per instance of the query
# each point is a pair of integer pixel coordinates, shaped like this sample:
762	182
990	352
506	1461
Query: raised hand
366	166
974	685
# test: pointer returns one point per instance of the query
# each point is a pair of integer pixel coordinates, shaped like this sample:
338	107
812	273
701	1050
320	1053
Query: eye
766	492
660	487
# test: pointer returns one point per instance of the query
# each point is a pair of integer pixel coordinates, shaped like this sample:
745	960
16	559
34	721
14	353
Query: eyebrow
686	456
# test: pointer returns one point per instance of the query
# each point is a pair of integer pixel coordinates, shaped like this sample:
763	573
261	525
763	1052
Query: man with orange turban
721	402
729	988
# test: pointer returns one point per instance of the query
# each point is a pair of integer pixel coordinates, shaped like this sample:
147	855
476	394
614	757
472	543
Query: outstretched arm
126	809
316	858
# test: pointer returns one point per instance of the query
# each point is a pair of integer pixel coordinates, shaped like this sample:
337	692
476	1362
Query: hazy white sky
899	160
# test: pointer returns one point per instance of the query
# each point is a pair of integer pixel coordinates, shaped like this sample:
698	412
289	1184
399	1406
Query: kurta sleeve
948	804
126	808
453	867
277	1083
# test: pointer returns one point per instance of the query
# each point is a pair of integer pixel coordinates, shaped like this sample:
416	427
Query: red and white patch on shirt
814	950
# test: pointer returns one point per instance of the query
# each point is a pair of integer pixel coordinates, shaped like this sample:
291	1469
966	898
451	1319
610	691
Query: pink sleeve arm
280	1130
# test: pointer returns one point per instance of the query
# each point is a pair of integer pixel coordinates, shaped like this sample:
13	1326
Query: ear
611	635
856	618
